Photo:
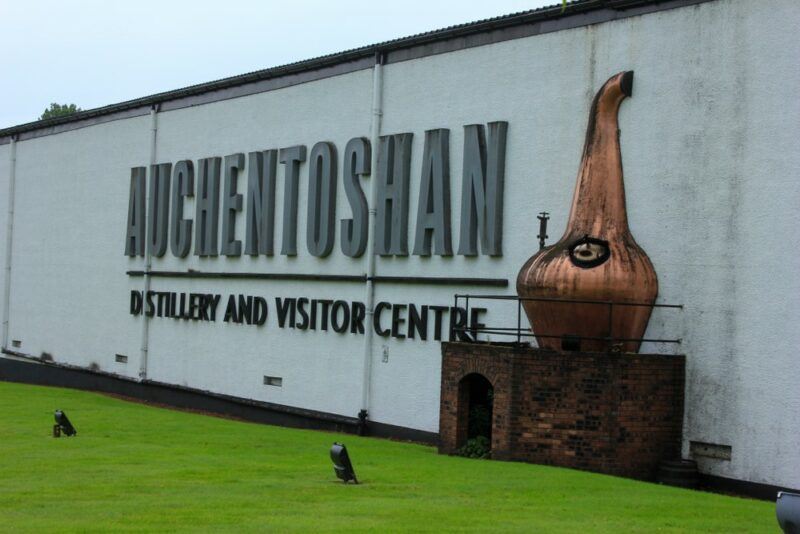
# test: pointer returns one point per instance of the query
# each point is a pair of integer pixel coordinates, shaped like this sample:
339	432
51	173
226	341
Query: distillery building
372	240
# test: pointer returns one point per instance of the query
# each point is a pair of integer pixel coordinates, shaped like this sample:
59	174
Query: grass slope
136	467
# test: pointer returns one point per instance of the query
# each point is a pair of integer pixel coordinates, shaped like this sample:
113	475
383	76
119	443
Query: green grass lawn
136	467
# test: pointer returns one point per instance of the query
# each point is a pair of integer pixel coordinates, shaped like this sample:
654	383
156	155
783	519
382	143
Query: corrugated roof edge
574	7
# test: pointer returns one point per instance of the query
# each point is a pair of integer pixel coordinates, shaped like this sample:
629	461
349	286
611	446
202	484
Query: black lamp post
63	425
341	463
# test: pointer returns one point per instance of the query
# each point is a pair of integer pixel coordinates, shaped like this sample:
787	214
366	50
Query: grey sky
98	52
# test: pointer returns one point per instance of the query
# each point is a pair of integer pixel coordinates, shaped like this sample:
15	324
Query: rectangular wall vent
273	381
16	343
710	450
120	358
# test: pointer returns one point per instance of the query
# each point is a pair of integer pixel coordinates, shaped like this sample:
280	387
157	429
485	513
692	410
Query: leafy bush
477	447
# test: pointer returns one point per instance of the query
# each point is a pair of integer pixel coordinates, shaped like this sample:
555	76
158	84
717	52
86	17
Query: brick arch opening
475	408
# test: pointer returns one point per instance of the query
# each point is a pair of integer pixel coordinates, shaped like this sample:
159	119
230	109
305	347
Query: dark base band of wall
50	374
756	490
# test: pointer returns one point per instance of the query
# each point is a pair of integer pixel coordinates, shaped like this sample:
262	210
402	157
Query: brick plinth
619	414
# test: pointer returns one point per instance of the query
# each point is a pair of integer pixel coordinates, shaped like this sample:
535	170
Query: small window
273	381
121	358
710	450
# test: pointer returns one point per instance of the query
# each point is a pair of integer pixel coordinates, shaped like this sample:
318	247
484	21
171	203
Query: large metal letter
433	211
260	214
180	229
482	190
134	238
158	210
231	203
321	214
357	160
207	207
391	218
291	157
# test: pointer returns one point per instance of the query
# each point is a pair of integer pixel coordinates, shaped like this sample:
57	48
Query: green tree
59	110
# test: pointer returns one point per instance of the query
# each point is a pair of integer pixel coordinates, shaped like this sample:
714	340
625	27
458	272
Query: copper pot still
597	259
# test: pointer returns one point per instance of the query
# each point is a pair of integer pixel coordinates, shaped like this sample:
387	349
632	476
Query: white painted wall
320	371
5	155
68	280
710	151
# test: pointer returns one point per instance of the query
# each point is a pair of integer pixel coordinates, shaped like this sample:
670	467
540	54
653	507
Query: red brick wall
611	413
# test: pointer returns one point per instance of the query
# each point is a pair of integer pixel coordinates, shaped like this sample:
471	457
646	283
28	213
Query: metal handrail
521	332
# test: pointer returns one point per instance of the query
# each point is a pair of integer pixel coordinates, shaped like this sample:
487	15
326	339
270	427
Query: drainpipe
12	171
148	259
377	112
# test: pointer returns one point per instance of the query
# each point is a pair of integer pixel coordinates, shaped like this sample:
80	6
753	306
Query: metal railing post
466	317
